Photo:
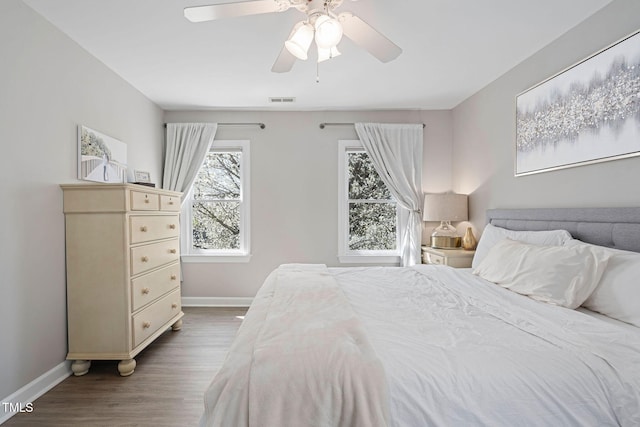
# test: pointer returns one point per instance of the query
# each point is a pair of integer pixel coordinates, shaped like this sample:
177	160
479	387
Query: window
368	216
216	210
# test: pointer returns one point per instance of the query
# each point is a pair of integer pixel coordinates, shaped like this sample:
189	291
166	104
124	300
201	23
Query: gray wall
294	182
49	85
484	132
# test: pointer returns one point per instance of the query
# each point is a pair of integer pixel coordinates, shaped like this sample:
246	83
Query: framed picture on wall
586	114
101	158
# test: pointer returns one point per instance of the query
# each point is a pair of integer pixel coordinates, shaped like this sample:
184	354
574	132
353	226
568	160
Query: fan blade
285	61
231	10
368	38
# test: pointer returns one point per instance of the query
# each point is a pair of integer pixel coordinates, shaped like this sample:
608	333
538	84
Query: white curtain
396	153
186	149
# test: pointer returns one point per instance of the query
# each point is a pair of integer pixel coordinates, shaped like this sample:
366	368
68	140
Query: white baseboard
24	398
216	301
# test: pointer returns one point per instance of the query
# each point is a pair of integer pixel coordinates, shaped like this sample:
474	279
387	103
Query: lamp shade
445	207
300	40
324	54
328	32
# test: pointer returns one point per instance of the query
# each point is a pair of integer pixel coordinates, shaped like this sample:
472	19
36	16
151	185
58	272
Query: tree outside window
368	219
372	209
216	213
216	202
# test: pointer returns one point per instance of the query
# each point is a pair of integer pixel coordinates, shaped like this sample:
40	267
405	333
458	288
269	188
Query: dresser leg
80	367
177	326
126	367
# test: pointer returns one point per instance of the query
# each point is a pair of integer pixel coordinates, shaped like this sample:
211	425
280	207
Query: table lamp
445	208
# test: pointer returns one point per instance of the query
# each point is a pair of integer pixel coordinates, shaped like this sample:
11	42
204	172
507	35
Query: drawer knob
145	258
146	200
173	251
170	202
146	325
174	305
146	290
143	228
172	226
173	277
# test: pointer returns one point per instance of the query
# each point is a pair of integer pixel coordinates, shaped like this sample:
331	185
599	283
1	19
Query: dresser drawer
142	201
155	316
434	259
457	258
150	286
145	228
169	203
147	257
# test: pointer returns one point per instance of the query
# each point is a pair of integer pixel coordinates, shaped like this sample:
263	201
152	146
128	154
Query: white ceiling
451	49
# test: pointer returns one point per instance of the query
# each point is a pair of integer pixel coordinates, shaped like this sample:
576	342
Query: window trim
191	255
345	255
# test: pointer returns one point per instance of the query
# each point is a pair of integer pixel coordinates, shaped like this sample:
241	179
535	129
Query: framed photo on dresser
142	176
101	158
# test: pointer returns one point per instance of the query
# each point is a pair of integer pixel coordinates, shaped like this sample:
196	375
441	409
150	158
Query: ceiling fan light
328	31
300	40
324	54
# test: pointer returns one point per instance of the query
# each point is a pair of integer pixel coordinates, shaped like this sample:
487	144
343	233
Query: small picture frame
142	176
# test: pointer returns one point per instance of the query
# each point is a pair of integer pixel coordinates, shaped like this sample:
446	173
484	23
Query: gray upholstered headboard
611	227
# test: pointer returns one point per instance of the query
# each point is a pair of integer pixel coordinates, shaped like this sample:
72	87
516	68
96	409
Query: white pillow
560	275
618	293
492	235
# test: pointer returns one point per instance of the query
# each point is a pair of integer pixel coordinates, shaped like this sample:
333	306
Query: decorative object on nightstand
123	271
445	208
458	258
469	241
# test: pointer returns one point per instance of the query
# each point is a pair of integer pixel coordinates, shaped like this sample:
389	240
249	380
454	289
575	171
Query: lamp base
445	237
446	242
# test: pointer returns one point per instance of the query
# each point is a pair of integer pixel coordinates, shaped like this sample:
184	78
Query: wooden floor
166	388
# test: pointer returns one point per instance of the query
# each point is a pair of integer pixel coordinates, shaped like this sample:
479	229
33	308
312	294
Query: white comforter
301	358
459	351
456	351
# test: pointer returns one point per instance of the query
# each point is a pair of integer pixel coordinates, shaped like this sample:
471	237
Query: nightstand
458	258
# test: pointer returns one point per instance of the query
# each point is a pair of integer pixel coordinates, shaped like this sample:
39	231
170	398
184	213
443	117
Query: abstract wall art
587	113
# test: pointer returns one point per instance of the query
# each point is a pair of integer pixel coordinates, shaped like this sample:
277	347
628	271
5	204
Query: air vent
281	100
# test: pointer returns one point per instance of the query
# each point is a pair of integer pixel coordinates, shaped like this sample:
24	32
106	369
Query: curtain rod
323	125
262	125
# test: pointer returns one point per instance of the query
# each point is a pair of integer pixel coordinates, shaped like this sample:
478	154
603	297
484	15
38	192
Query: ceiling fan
321	24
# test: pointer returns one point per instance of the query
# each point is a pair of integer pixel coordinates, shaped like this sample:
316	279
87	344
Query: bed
432	345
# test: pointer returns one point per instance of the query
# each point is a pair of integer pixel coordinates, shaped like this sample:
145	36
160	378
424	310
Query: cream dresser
123	271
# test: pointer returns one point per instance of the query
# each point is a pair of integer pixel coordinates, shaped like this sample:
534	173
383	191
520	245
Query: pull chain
317	72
